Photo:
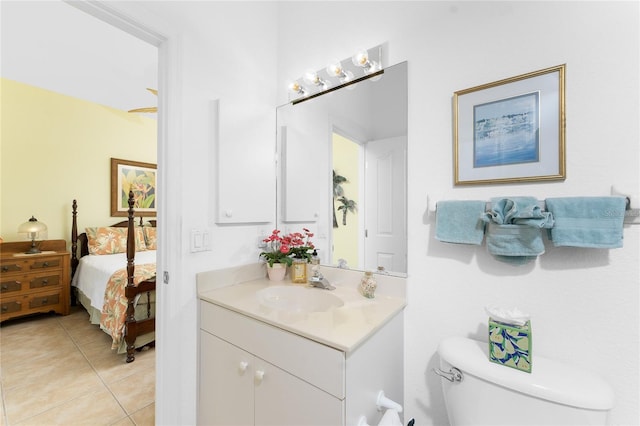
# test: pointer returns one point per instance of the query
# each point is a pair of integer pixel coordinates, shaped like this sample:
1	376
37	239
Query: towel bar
631	215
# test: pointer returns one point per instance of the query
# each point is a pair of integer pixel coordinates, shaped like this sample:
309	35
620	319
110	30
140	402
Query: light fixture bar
348	83
364	63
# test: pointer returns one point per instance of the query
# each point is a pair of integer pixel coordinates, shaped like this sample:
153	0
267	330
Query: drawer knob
5	287
45	264
45	281
259	376
242	367
45	300
5	268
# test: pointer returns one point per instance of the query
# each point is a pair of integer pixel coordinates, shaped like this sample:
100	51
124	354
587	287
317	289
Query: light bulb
334	69
312	77
361	58
295	87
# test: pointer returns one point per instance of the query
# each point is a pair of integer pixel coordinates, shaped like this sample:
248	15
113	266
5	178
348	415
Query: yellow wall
55	148
345	163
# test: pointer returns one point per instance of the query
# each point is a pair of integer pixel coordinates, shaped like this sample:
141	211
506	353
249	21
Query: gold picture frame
139	177
511	130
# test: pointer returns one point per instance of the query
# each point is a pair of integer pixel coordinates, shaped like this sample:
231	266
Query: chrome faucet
318	281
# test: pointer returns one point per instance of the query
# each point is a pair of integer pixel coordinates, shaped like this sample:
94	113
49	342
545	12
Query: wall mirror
342	172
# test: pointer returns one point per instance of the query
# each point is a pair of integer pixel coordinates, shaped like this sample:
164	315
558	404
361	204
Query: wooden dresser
33	283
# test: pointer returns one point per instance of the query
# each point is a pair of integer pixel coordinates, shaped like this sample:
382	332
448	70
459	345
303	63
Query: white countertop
343	328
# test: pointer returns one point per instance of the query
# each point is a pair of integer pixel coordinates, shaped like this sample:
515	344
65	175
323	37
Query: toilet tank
554	393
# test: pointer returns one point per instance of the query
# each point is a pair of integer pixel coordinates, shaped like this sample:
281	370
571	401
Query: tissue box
510	345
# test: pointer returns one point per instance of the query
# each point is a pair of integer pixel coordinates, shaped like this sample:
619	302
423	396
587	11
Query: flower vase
277	271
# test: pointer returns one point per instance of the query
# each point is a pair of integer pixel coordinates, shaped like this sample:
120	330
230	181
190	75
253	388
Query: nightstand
34	283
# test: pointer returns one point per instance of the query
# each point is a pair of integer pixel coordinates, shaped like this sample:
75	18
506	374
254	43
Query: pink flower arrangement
283	249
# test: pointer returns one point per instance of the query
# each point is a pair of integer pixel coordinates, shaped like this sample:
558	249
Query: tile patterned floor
59	370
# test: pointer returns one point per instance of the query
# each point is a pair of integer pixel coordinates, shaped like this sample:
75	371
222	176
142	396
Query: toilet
480	392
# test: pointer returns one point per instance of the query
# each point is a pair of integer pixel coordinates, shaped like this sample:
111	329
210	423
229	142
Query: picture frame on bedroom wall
511	130
139	177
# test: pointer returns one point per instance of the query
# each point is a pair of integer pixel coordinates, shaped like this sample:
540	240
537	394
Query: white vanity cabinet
254	373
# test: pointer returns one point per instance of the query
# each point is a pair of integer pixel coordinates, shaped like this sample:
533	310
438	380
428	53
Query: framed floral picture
511	130
141	178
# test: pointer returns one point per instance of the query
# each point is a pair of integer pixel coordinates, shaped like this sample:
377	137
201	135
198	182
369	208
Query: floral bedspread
114	310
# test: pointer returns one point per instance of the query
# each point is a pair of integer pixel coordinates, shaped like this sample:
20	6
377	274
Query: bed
114	279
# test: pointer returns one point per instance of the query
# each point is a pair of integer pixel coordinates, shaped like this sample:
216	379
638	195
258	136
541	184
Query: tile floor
59	370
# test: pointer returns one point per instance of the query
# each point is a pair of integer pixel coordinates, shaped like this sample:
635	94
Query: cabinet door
282	399
226	383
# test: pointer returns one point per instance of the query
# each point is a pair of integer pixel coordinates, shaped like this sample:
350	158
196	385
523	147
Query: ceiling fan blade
148	109
154	91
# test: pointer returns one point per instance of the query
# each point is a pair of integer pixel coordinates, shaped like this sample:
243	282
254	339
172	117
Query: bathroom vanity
287	354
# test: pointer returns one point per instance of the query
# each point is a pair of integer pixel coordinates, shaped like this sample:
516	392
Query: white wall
584	302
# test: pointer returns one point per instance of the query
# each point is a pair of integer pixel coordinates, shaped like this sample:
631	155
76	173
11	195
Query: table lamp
32	228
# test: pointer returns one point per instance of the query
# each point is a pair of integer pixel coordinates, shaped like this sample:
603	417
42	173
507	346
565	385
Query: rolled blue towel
518	211
458	221
515	244
593	222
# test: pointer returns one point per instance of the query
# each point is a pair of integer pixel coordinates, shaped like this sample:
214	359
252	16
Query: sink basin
298	299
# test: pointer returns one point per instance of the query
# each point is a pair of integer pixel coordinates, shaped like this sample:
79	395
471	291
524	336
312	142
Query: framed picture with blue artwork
511	130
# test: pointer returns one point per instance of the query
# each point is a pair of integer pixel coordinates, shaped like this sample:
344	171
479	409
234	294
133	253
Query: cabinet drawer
48	280
30	303
45	263
320	365
9	266
45	300
10	306
30	264
11	286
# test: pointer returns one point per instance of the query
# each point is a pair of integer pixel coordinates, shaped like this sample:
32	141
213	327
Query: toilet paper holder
385	403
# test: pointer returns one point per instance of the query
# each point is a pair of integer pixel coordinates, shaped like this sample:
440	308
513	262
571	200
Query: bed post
74	249
74	238
130	320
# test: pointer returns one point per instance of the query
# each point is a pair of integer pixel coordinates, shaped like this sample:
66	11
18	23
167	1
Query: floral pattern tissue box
510	345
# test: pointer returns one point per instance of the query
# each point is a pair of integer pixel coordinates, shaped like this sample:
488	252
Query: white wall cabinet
252	373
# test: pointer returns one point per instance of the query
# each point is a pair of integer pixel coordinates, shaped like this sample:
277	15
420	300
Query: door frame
135	20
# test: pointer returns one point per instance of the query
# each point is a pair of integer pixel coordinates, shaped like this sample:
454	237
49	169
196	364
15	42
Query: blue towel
513	234
594	222
518	211
515	244
459	222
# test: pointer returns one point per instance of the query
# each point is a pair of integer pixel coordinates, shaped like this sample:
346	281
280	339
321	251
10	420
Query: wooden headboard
82	241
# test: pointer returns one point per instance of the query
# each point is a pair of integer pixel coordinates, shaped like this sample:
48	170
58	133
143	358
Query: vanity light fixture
335	69
365	64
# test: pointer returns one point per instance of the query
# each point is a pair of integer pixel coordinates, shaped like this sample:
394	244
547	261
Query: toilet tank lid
550	380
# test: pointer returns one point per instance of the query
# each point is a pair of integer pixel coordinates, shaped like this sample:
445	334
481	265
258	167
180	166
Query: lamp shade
32	227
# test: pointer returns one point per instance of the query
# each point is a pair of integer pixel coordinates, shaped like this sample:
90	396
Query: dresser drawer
10	286
45	263
44	280
44	300
26	264
10	306
16	284
30	303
